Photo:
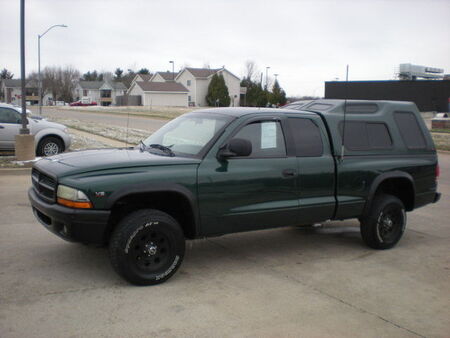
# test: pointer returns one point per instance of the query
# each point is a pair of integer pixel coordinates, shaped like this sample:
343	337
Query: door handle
289	172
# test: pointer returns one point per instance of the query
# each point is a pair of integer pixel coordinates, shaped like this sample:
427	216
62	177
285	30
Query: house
12	91
102	92
160	93
197	80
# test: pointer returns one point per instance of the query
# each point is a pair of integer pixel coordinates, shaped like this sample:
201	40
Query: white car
50	138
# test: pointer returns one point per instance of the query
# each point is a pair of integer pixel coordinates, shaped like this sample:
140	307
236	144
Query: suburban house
160	93
189	87
12	91
102	92
197	80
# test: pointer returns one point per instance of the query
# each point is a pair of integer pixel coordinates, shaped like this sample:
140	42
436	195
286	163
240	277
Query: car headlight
72	198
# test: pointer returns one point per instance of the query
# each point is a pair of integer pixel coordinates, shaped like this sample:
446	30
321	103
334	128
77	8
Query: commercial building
428	95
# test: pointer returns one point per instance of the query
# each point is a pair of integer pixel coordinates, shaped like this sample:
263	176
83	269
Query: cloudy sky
305	42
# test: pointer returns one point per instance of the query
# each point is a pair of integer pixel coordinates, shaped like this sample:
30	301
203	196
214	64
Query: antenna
345	110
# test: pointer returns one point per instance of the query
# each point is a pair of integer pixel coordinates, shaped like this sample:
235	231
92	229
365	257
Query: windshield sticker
268	135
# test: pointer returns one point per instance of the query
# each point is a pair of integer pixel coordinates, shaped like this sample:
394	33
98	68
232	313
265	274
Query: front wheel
385	224
50	146
147	247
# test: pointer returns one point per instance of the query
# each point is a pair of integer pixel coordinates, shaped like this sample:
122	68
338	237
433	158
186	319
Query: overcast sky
305	42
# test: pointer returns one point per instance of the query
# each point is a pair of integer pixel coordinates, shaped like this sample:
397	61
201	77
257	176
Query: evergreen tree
218	94
92	76
256	96
6	74
278	96
118	74
143	71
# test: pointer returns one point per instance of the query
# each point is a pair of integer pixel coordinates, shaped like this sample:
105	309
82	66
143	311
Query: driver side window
8	115
266	138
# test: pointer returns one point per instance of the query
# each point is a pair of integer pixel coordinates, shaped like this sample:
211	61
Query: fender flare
158	188
379	180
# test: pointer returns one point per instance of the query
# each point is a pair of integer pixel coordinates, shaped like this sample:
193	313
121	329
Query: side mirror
236	147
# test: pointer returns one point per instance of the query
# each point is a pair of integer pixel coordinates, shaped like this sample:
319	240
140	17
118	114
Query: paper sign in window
268	135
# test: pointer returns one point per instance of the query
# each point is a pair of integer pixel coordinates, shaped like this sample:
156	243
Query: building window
85	92
188	83
189	99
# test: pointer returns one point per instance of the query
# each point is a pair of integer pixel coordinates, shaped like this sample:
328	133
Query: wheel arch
39	137
397	183
174	199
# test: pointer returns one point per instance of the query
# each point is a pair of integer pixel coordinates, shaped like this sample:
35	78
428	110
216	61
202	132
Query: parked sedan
50	138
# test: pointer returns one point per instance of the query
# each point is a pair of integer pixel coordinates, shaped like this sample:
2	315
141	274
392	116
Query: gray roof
11	83
202	72
16	83
98	84
117	85
168	76
162	87
145	77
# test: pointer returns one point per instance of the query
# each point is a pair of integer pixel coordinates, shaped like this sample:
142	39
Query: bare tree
251	70
59	82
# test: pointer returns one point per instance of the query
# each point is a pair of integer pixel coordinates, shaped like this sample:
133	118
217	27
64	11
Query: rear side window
410	130
307	138
361	135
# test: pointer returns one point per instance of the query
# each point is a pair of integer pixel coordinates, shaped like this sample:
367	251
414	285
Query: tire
385	224
147	247
50	146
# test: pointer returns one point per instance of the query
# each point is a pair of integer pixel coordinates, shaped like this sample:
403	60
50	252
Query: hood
43	123
102	159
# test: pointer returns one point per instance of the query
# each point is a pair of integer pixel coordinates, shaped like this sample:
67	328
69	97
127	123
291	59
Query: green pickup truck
218	171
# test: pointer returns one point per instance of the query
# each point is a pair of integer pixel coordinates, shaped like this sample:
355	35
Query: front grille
44	185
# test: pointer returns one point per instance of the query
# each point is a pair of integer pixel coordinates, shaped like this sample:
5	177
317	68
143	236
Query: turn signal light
74	204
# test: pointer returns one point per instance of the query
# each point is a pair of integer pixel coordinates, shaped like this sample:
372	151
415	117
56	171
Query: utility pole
24	142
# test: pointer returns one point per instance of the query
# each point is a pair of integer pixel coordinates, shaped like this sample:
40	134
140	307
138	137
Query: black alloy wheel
147	247
385	224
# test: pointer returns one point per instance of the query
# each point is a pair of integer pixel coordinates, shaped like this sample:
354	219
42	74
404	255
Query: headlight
72	198
66	130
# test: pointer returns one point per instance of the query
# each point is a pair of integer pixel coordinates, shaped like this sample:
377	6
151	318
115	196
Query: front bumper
74	225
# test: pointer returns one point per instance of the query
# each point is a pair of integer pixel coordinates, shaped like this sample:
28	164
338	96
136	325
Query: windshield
187	135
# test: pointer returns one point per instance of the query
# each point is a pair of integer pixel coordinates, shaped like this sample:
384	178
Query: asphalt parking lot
286	282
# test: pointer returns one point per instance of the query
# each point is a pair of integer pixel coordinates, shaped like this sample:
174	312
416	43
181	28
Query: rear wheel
147	247
385	224
50	146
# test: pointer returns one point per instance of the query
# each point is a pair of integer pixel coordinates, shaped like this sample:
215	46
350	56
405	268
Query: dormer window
188	83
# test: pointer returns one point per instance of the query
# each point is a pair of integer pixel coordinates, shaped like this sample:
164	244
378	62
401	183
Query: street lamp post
267	77
173	69
39	65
